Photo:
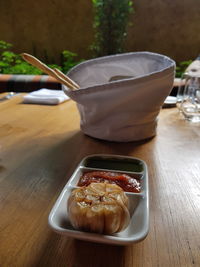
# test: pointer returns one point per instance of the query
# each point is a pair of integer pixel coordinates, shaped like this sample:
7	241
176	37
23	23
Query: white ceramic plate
138	227
170	101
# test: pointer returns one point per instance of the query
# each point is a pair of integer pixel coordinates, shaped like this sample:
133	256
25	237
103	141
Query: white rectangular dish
138	227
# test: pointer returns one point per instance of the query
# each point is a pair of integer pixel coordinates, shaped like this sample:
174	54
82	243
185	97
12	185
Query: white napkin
46	96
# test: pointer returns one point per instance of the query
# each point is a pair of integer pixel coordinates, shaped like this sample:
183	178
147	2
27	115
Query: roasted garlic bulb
99	207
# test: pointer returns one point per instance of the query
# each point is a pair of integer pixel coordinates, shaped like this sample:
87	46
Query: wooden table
40	146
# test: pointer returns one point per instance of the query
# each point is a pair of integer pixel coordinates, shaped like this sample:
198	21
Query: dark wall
170	27
46	28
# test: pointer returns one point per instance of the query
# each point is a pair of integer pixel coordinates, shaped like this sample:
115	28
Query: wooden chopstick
66	78
40	65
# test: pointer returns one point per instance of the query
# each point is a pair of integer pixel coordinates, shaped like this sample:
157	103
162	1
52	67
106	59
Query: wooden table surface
40	146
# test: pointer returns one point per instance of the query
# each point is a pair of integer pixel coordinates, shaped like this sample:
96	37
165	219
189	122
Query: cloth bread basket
121	95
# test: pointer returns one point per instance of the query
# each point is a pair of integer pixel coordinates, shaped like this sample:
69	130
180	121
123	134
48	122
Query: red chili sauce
125	181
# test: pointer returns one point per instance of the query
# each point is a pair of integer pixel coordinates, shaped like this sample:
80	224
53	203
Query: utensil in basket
58	75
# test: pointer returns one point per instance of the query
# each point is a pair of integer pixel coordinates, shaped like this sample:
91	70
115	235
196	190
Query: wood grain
40	146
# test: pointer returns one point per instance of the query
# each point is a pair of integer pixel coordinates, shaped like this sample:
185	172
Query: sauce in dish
125	181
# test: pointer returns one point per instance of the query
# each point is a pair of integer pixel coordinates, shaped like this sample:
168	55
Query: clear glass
180	91
188	97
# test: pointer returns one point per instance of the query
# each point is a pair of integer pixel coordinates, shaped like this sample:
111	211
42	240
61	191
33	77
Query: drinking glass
188	97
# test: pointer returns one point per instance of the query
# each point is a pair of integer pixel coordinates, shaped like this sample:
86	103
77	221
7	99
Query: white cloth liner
46	96
125	109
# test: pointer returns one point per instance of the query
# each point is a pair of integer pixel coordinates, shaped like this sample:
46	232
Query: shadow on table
50	159
63	251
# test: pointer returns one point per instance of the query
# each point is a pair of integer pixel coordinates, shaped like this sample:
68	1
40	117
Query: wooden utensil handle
62	75
38	64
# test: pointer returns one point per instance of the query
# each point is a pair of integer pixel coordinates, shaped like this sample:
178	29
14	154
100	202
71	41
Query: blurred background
57	31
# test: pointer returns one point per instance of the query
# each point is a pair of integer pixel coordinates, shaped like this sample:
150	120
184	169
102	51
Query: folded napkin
46	96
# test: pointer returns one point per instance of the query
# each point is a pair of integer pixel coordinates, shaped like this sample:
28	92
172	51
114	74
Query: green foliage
181	67
4	45
12	63
111	18
69	60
